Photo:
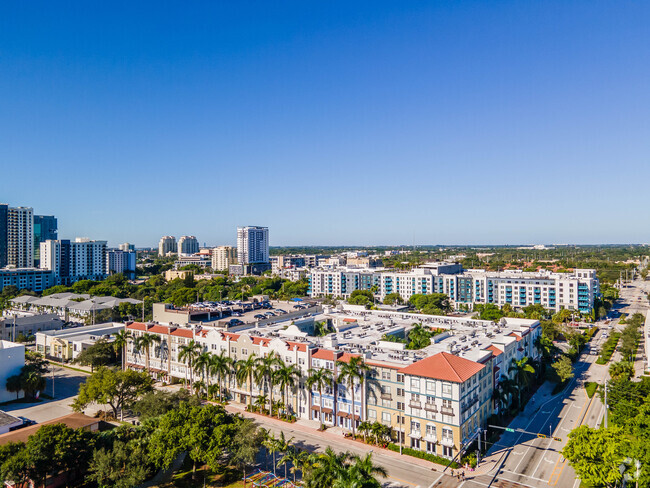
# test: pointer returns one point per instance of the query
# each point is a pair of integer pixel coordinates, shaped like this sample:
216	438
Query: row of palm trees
269	371
338	470
509	388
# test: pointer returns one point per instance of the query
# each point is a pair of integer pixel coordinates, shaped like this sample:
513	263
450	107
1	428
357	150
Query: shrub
591	387
608	348
424	455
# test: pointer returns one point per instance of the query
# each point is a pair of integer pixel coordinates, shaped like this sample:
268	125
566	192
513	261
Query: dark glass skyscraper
45	227
4	213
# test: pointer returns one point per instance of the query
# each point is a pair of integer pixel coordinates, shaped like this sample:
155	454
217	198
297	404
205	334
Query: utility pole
605	403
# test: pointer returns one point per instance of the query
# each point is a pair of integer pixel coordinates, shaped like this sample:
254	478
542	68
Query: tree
101	353
621	370
319	379
205	432
564	368
393	298
244	371
201	365
118	389
124	465
265	371
364	428
489	311
14	463
156	403
122	339
188	353
432	304
595	454
361	297
327	467
418	337
145	341
287	377
15	385
220	365
523	372
249	439
355	369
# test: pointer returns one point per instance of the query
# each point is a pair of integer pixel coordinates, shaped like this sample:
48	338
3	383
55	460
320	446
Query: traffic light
541	436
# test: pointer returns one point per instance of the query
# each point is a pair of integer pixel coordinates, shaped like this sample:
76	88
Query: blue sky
447	122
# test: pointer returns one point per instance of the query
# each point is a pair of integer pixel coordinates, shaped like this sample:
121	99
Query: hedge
424	455
591	387
608	348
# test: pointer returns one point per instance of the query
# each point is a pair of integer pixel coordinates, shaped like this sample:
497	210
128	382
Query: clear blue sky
330	122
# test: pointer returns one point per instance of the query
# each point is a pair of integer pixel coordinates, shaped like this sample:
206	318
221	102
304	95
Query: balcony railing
415	404
431	407
386	396
447	411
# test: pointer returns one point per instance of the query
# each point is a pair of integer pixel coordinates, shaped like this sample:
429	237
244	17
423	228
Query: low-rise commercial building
26	278
28	325
12	359
67	344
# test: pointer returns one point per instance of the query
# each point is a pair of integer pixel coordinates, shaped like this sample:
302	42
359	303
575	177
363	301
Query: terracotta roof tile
444	366
137	326
264	341
183	333
231	336
158	329
495	350
324	354
301	346
346	356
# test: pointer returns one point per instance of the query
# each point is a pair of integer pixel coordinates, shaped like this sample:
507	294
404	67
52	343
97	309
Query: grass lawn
591	387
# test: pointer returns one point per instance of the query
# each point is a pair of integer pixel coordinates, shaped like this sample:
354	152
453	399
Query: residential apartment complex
554	291
188	245
223	257
26	278
167	245
17	234
252	245
435	399
71	261
12	359
119	261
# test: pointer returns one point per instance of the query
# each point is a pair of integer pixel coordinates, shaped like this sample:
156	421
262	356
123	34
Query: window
415	384
447	434
400	392
233	349
431	430
431	387
372	414
415	443
447	451
385	417
385	375
446	389
415	426
400	378
244	352
400	405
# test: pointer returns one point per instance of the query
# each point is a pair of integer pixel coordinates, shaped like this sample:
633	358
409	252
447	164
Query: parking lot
237	313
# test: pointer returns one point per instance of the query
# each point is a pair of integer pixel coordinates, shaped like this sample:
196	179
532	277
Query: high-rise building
223	257
4	214
45	228
126	246
167	245
119	261
82	259
20	237
188	245
252	245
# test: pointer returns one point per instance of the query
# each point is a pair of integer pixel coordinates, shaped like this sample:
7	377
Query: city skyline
459	122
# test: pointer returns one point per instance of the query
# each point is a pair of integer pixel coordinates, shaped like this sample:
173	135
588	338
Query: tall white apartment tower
188	245
20	237
252	245
166	245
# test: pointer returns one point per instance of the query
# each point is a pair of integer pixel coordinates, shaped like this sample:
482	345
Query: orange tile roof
301	346
515	335
183	333
324	354
137	326
73	421
233	337
159	329
495	350
383	365
264	341
444	366
346	356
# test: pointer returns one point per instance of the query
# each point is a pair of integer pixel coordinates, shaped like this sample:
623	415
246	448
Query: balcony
447	411
415	404
431	407
448	441
431	437
386	396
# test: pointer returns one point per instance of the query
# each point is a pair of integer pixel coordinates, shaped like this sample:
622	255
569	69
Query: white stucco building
12	359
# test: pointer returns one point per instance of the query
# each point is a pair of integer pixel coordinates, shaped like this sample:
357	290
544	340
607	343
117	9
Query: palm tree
145	341
119	344
265	371
244	371
287	377
272	445
380	432
327	467
522	371
319	378
188	353
221	366
354	369
201	365
285	447
260	402
365	427
364	471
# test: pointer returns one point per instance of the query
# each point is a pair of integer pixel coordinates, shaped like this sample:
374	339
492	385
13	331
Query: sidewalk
334	434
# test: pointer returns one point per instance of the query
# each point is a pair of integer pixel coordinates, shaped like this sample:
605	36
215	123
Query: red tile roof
346	356
301	346
183	333
495	350
231	336
515	335
444	366
264	341
137	326
158	329
324	354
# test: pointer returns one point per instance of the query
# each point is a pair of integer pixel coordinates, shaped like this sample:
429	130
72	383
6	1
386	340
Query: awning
328	410
315	407
343	414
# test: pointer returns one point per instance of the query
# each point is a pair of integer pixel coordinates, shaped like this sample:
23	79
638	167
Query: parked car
235	322
260	316
279	310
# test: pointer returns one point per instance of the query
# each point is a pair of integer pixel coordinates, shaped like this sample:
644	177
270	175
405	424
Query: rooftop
444	366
